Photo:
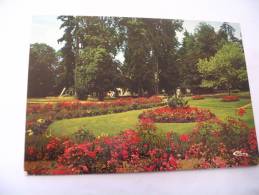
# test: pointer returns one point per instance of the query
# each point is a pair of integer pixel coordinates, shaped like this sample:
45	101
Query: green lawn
114	123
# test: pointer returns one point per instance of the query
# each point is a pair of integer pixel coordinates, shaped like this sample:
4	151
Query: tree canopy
141	55
42	66
226	69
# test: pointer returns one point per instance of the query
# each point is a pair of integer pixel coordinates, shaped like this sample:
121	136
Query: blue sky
45	29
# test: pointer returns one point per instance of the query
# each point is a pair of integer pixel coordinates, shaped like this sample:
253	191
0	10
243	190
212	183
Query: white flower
40	120
29	132
239	153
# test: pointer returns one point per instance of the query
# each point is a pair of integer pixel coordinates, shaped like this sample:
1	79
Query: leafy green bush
82	93
83	135
177	102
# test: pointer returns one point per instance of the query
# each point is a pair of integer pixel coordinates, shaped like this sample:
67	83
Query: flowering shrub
37	126
122	153
169	115
31	153
252	142
54	148
228	145
230	98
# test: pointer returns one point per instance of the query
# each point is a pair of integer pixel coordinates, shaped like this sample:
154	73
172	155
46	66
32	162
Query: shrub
82	93
54	148
177	102
38	126
35	148
83	135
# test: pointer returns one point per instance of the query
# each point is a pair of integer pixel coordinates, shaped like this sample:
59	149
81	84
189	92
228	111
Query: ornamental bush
177	102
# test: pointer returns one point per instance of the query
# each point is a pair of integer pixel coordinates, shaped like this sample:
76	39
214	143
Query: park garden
165	105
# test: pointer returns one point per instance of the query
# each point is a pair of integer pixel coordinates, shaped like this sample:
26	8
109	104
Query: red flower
31	150
241	111
184	138
252	140
146	121
168	135
230	98
167	114
91	154
172	162
124	154
150	168
197	97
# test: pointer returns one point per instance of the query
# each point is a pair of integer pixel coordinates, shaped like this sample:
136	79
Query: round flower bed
230	98
177	115
197	97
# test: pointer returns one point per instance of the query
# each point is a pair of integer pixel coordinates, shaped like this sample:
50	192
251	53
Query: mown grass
114	123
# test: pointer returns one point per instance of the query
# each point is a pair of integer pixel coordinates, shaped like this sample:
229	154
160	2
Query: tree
224	70
188	56
137	68
164	46
150	54
68	51
206	40
97	71
42	66
226	33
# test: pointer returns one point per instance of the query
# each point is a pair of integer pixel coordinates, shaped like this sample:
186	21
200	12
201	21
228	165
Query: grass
114	123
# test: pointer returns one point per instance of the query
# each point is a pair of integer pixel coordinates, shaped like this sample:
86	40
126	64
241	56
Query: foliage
67	53
177	102
83	135
41	77
90	74
150	54
225	69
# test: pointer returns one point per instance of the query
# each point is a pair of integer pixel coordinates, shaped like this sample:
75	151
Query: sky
46	29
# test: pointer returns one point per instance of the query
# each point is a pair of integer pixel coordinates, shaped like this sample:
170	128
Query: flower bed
90	105
39	116
177	115
197	97
230	98
229	144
